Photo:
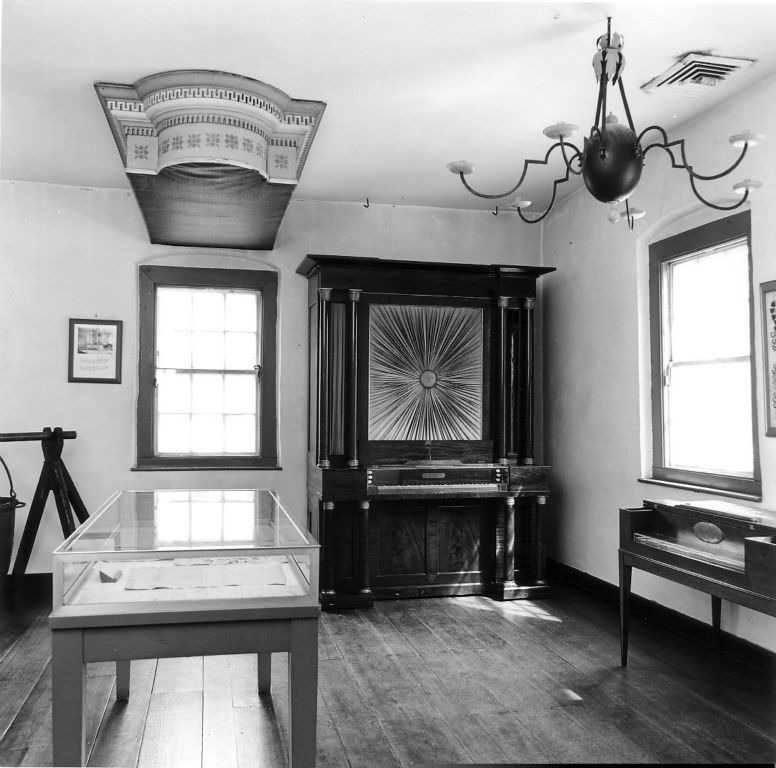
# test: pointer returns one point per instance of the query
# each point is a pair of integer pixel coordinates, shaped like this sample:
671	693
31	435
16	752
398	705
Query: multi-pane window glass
707	385
703	400
205	518
207	349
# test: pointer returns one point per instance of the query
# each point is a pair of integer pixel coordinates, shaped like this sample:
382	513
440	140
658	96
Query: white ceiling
409	86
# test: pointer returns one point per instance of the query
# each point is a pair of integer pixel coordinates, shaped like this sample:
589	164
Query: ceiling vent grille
695	74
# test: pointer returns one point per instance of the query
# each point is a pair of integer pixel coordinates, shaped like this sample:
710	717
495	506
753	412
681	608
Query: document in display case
169	573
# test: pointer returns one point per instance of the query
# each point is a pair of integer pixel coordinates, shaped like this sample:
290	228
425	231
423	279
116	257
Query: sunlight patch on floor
568	695
525	608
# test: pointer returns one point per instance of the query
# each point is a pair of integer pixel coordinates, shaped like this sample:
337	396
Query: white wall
598	433
72	252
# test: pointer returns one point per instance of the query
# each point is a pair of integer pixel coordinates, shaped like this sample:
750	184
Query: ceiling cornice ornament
184	120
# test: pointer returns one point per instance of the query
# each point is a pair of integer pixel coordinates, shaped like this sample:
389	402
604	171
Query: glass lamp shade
612	163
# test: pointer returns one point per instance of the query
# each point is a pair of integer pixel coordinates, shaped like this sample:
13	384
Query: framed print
94	353
768	291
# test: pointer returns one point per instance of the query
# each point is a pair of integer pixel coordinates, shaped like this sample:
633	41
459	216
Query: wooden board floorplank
413	682
219	737
29	654
354	715
258	738
327	648
243	680
22	668
173	731
100	691
29	736
446	617
179	675
11	758
120	734
592	677
710	692
430	741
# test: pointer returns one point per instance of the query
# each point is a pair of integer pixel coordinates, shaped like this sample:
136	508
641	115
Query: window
703	397
207	369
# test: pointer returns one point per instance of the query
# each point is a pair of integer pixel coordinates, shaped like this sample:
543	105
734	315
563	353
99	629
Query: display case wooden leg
264	669
716	618
68	688
302	693
122	679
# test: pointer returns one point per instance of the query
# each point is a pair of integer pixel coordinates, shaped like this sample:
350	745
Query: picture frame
94	351
768	302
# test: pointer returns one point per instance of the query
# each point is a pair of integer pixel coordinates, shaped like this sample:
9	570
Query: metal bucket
8	507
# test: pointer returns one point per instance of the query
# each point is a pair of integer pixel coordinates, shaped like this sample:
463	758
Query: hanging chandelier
612	157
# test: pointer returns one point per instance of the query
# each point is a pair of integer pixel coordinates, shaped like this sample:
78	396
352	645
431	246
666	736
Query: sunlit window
207	350
703	420
207	368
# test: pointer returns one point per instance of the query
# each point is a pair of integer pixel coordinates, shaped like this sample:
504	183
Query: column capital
324	294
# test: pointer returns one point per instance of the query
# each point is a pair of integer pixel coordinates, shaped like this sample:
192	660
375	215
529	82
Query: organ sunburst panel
425	372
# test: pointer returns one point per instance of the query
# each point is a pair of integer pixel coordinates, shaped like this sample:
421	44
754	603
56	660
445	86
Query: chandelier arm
552	200
722	173
625	104
569	160
604	82
601	100
526	163
667	145
653	128
731	207
498	196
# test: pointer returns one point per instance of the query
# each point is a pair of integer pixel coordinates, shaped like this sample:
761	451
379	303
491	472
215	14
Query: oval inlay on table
708	532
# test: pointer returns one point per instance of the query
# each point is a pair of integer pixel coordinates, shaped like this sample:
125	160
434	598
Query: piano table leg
716	618
625	588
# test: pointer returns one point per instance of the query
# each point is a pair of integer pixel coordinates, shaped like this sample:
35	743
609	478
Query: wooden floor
417	682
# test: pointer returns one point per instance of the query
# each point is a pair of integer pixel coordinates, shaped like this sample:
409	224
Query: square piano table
158	574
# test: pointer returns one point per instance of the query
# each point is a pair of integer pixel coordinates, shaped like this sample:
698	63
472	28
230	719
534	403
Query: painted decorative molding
425	372
201	116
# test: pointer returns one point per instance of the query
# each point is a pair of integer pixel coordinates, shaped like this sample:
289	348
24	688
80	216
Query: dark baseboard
667	619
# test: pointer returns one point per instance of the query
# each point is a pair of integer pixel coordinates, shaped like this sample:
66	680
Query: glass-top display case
164	547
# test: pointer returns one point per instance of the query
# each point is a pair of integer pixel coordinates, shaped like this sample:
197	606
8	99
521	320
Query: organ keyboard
436	479
726	550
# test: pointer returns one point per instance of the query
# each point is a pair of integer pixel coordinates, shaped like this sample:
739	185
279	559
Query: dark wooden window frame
707	236
195	277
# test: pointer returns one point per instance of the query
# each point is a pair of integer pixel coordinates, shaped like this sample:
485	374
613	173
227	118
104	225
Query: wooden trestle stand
53	477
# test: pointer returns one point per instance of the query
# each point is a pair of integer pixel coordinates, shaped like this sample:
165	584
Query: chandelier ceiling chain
612	157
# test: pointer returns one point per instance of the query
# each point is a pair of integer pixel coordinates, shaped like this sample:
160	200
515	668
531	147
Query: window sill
701	489
203	465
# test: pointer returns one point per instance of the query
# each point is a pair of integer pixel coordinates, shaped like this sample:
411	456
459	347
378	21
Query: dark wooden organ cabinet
421	473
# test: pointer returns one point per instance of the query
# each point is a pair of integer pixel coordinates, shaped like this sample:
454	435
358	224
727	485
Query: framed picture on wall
94	353
768	291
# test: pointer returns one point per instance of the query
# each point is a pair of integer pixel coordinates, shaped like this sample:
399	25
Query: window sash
264	450
690	245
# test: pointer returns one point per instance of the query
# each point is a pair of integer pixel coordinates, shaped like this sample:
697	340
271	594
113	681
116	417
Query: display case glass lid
163	520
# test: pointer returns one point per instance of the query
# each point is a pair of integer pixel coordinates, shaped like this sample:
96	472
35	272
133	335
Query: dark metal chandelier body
612	156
